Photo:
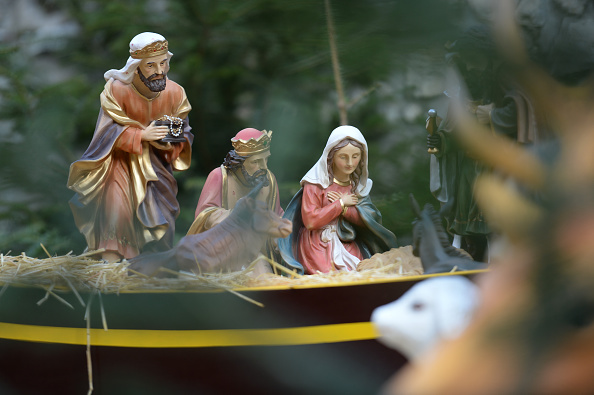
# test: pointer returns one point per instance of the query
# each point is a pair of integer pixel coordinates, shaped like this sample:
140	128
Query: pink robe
317	213
219	195
221	191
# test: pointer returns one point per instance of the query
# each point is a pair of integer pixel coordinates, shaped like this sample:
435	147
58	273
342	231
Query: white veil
318	174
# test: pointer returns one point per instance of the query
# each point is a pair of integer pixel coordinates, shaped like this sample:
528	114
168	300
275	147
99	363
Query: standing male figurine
125	193
245	166
495	101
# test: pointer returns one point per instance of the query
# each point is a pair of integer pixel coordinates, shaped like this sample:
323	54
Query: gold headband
154	49
252	146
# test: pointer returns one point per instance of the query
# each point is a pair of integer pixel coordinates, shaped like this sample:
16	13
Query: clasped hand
348	199
153	133
433	141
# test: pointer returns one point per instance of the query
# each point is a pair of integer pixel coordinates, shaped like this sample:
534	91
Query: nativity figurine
244	167
335	224
230	245
125	198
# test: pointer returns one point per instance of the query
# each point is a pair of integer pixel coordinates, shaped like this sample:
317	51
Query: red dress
315	251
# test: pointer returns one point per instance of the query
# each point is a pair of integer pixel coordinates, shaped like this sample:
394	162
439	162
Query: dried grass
396	263
84	274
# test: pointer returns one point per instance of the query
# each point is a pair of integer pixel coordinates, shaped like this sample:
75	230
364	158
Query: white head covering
126	74
318	174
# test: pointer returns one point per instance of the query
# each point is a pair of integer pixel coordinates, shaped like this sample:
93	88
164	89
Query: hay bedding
83	273
396	263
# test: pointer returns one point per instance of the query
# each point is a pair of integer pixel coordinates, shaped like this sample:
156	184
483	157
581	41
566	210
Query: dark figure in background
496	103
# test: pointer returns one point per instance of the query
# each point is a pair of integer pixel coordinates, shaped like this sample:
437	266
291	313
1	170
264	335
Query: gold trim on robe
203	220
88	175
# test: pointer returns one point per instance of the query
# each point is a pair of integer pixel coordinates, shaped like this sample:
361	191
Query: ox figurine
230	245
433	310
431	244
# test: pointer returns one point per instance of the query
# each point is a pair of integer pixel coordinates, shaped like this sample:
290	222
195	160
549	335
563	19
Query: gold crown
252	146
153	49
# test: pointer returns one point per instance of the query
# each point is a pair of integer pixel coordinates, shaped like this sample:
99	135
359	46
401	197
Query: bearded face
256	178
153	82
237	163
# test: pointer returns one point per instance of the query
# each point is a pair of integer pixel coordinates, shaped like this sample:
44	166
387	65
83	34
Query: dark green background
259	63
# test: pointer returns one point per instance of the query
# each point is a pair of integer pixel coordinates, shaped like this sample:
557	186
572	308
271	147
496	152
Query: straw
83	274
88	350
212	282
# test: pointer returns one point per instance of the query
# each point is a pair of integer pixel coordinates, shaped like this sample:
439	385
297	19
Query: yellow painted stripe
191	338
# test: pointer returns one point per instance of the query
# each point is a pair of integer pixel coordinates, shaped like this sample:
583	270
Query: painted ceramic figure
125	199
231	245
244	167
335	225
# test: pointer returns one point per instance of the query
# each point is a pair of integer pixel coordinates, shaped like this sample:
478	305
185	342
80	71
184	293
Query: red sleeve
211	192
352	215
315	215
130	141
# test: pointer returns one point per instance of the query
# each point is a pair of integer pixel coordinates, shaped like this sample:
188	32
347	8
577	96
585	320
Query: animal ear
416	209
254	192
250	202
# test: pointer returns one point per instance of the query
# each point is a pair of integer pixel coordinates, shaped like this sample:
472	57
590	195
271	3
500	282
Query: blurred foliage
252	63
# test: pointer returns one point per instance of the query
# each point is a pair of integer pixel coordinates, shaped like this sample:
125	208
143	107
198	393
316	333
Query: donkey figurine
230	245
431	244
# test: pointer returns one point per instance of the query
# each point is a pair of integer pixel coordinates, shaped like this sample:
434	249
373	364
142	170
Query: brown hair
233	160
356	175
